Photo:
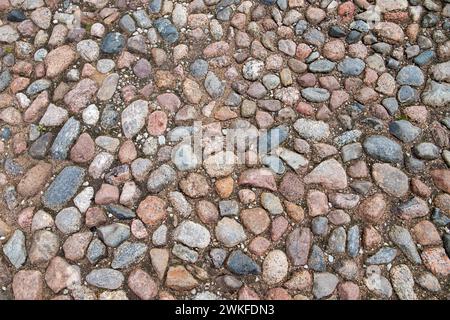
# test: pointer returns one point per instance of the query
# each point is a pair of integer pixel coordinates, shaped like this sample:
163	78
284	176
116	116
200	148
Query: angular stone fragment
178	278
298	244
63	188
392	180
260	178
330	174
58	60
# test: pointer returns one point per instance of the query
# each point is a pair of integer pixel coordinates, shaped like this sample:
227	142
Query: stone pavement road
117	182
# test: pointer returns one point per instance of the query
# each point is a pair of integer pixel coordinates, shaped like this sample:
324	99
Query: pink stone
157	123
27	285
107	194
260	178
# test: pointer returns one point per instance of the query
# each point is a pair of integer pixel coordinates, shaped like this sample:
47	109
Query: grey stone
68	220
15	249
228	208
65	138
241	264
218	256
272	138
322	66
403	282
383	256
311	129
407	95
199	68
127	254
105	278
404	130
161	178
436	94
120	212
337	240
114	234
184	253
383	149
402	238
324	284
96	251
167	30
316	95
411	76
112	43
426	151
192	234
353	241
63	188
316	259
214	86
319	226
351	66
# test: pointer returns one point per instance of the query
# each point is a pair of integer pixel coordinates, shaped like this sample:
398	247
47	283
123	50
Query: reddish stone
138	229
37	108
338	98
127	152
442	201
307	80
256	220
317	202
79	97
301	280
142	284
195	185
305	108
426	233
178	278
76	245
349	291
298	244
169	101
247	196
334	50
373	208
303	51
279	227
25	219
224	187
437	261
95	217
58	60
259	246
246	293
417	114
397	17
83	150
294	211
107	194
27	285
441	179
216	49
420	188
60	274
157	123
260	178
207	212
35	179
152	210
371	238
278	294
346	11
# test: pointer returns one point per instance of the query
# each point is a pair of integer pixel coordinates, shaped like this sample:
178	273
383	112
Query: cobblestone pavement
117	180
